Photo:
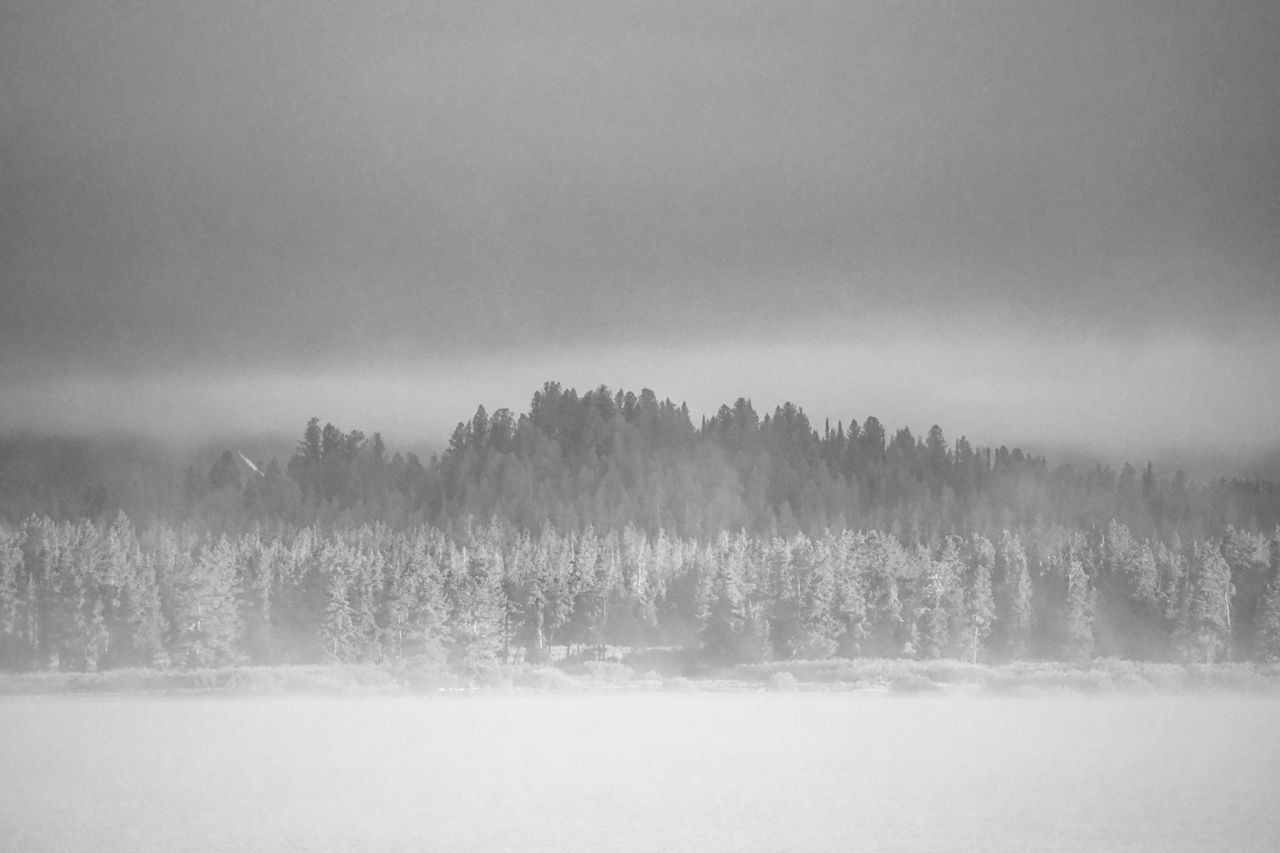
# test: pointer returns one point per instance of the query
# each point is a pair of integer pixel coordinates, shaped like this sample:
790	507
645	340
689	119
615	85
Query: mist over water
640	772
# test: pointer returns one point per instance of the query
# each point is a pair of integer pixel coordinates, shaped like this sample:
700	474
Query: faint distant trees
606	460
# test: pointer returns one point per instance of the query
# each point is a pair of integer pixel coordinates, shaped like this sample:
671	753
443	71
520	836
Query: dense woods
84	596
611	459
611	520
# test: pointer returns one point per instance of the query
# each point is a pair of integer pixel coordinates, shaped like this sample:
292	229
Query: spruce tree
338	633
1013	596
979	608
1269	623
1079	612
12	651
1205	633
939	605
206	626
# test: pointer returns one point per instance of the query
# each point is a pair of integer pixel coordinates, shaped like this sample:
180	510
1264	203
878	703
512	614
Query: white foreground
639	772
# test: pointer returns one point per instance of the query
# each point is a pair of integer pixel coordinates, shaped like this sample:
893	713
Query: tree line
607	460
87	596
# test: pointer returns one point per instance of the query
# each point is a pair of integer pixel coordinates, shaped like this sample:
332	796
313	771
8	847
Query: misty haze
678	426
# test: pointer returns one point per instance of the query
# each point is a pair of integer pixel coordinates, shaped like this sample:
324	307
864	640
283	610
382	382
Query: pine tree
1129	622
206	623
882	562
257	586
1205	633
368	582
1013	596
139	625
784	598
338	633
817	626
1249	559
473	585
415	602
12	651
1269	623
734	627
979	605
851	593
1078	610
723	625
940	604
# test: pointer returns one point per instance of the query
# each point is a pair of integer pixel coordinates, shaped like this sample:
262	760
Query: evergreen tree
416	607
1078	611
881	561
13	653
338	632
138	627
725	633
205	628
1129	618
817	625
1013	596
851	592
979	607
476	621
1205	631
939	609
1269	624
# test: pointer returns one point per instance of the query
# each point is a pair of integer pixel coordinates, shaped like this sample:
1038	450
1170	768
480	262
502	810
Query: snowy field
653	771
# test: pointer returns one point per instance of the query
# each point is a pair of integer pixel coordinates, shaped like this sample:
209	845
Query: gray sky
1025	221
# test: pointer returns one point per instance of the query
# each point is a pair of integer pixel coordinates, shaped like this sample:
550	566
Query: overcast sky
1026	221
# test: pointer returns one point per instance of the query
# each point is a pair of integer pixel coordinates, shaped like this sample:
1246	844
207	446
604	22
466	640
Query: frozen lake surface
639	772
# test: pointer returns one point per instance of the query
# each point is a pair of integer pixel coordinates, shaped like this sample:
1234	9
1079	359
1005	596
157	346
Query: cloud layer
243	191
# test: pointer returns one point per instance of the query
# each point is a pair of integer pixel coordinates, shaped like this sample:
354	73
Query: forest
82	596
609	520
611	459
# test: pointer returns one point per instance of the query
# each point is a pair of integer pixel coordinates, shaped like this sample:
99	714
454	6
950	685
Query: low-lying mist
1186	402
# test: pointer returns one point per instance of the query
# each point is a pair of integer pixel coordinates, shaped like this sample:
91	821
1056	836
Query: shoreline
863	676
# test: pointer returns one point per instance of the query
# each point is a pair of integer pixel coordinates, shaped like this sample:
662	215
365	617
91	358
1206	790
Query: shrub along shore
868	676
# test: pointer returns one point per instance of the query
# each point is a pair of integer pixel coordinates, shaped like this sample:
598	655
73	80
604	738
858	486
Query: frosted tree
979	607
206	625
783	595
415	608
367	587
1013	596
1249	559
850	592
1129	617
1205	631
1269	624
940	601
139	621
256	586
817	626
12	646
724	626
880	560
1079	612
1268	639
473	588
338	632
